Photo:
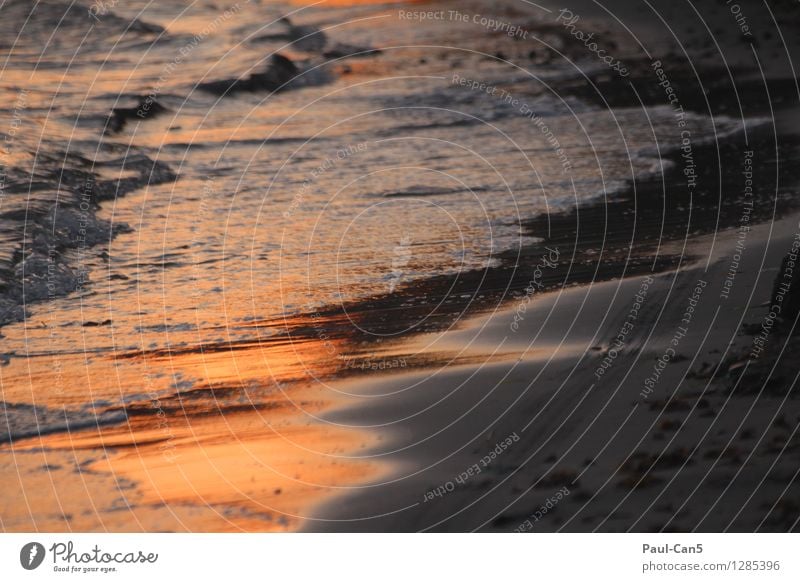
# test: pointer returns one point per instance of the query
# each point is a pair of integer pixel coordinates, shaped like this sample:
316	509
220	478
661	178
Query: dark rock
278	74
97	323
147	108
305	38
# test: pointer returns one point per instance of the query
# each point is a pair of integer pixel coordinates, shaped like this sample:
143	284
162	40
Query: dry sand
687	456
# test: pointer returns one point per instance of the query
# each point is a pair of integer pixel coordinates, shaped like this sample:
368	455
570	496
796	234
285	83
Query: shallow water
359	178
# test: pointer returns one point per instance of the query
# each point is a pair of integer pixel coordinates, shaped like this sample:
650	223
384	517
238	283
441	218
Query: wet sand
693	454
257	469
414	388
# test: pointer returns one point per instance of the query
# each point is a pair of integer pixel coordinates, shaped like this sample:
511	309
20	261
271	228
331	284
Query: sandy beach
656	395
428	266
587	418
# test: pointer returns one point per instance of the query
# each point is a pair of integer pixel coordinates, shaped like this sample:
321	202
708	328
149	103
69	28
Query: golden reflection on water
222	406
214	473
235	452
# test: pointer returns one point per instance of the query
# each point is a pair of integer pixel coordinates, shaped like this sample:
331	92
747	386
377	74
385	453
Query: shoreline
677	435
462	334
517	489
